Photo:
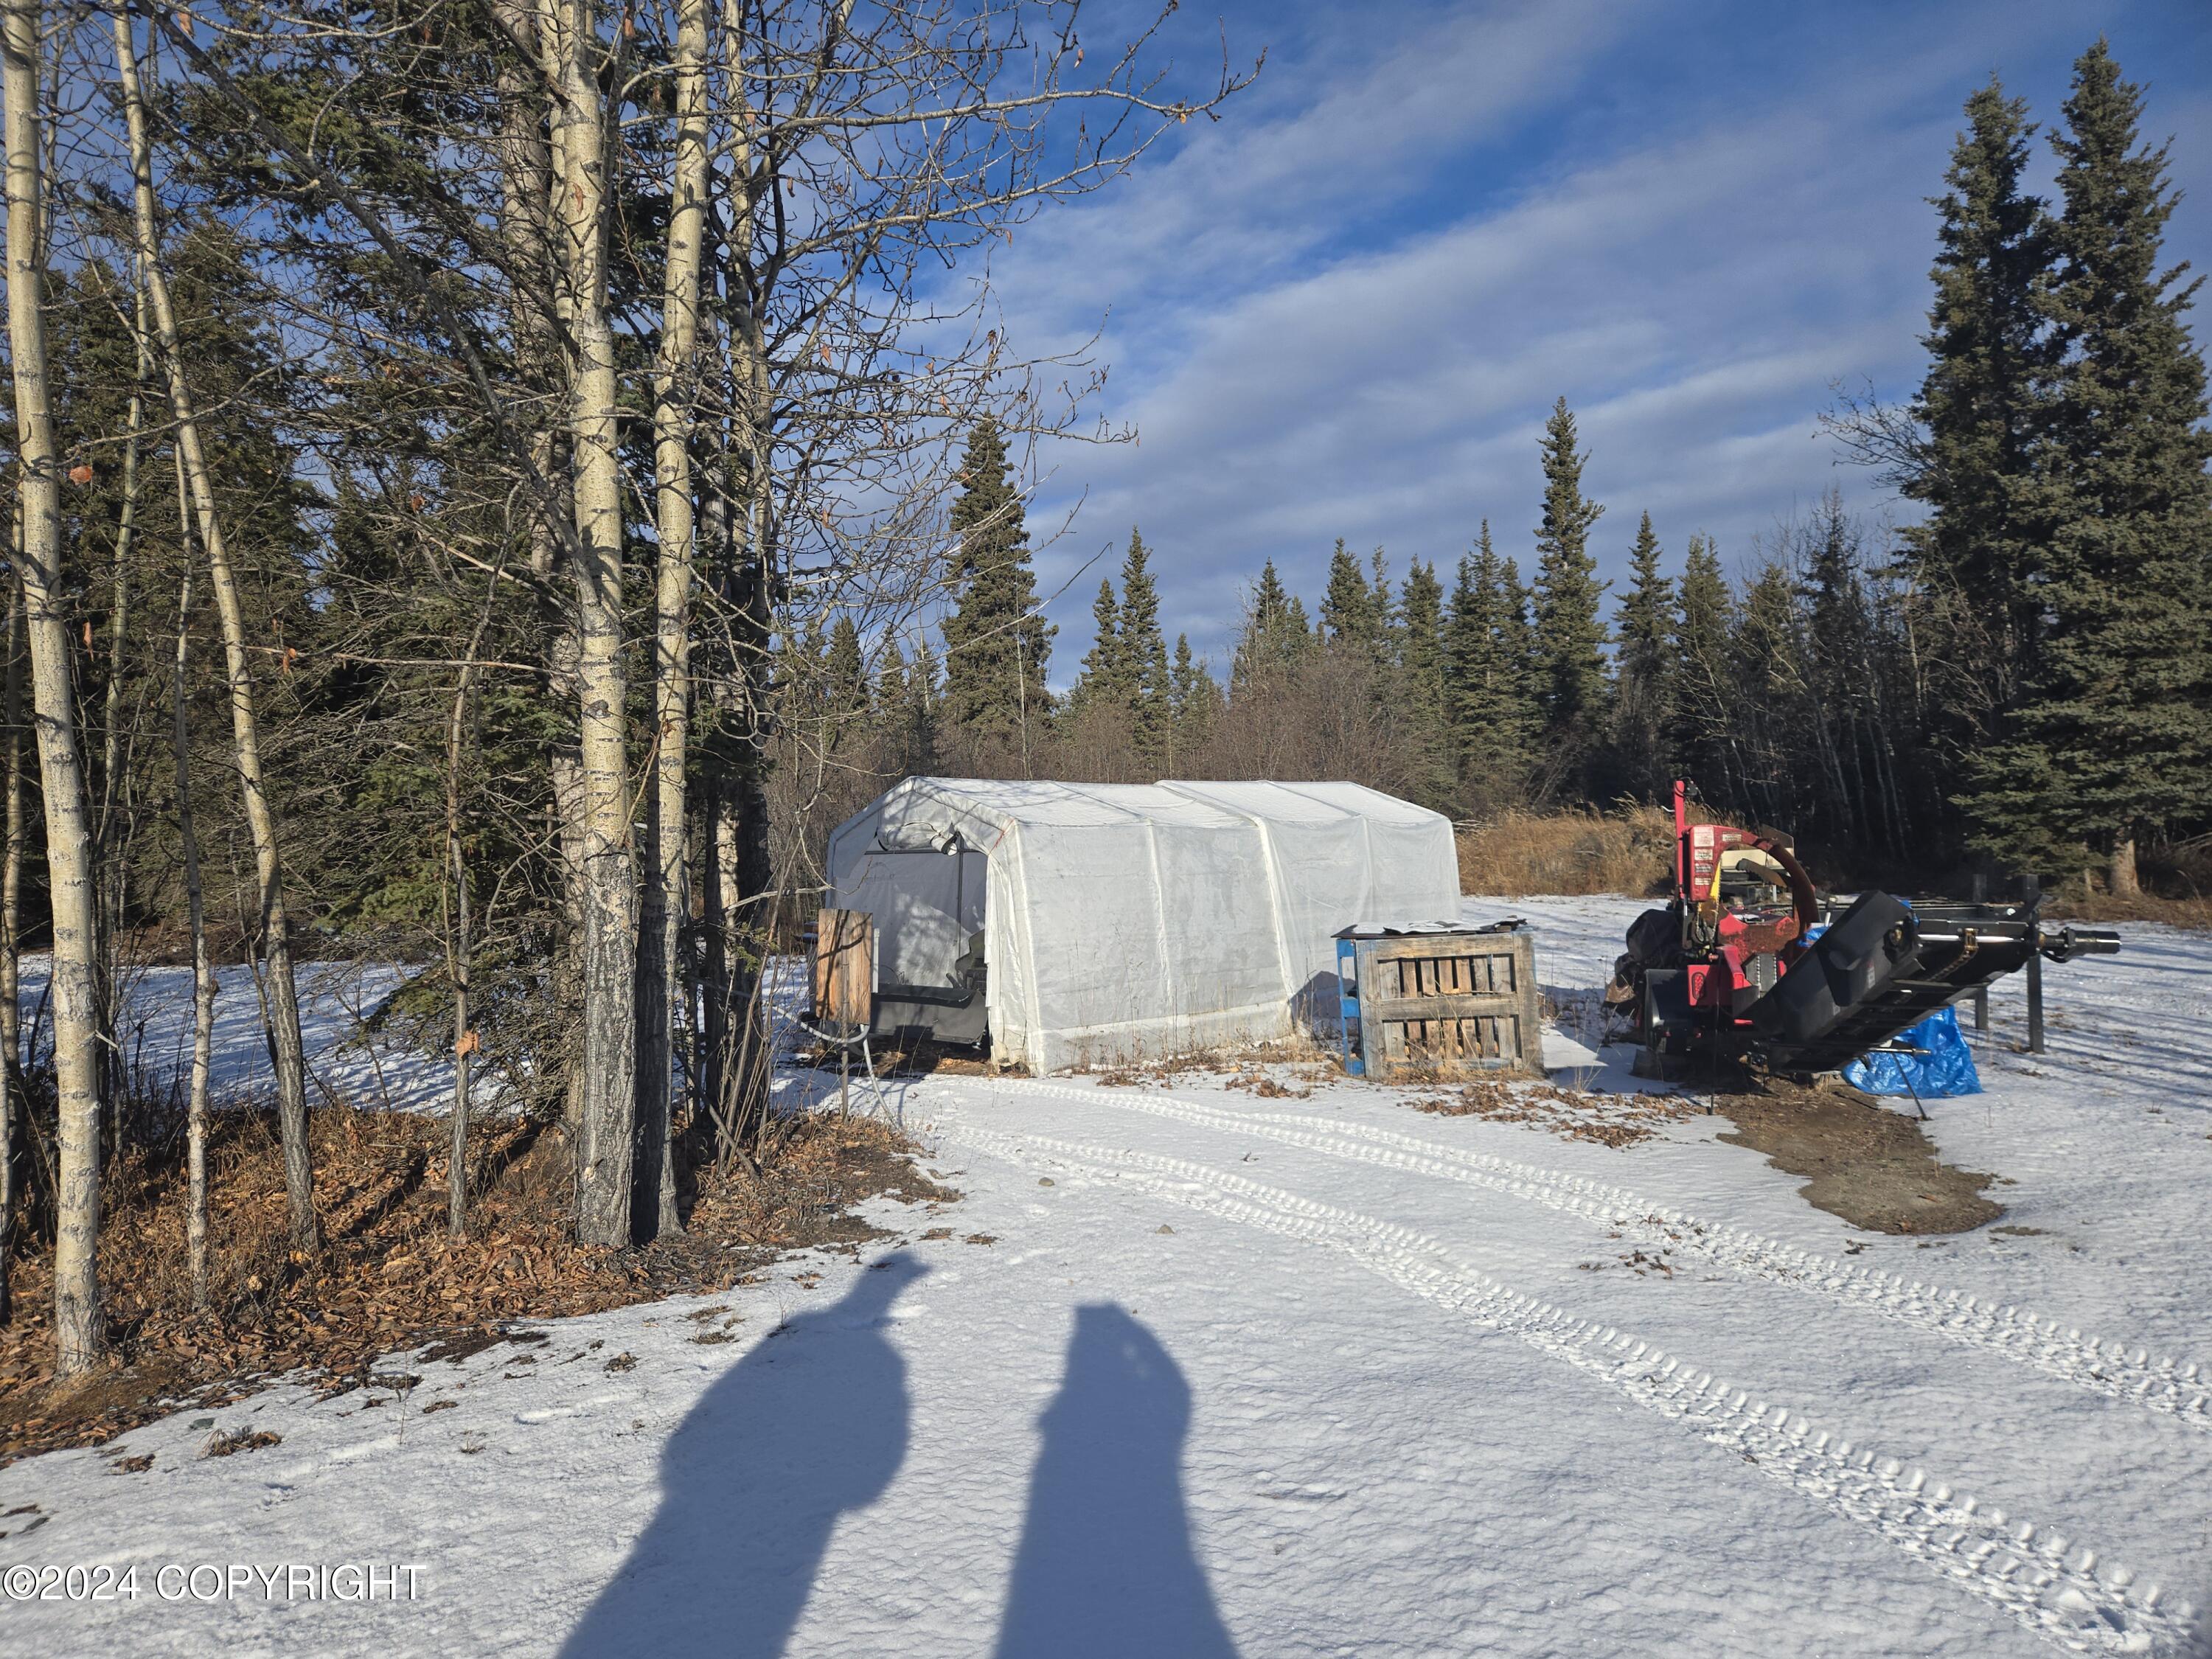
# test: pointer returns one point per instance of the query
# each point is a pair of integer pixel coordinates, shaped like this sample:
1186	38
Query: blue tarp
1946	1069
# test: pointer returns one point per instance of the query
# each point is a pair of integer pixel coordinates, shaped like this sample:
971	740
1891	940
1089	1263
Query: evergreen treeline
2022	678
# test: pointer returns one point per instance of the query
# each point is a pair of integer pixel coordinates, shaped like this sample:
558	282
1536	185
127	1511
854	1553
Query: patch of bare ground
388	1279
1608	1120
923	1060
1273	1070
1872	1166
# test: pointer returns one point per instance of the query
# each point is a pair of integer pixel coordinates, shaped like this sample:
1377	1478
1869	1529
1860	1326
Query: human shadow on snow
811	1424
1106	1569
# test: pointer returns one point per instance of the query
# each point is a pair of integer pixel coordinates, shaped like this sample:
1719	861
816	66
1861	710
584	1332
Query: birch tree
11	901
203	976
667	885
71	875
274	922
594	555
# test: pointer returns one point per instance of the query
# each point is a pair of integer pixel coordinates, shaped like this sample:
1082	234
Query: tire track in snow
2016	1334
2037	1578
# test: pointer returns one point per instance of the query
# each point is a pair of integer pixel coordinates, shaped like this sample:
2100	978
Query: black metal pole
1980	892
2032	891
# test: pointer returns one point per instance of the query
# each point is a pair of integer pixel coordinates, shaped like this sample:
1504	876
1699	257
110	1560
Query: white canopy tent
1119	920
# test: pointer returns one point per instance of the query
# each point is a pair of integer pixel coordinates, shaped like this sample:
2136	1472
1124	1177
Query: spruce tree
1144	654
1386	623
1196	699
1841	674
1643	704
925	704
1423	618
1101	683
996	643
2115	730
1767	683
888	704
1569	635
844	679
1704	702
1270	599
1421	677
1518	650
1491	703
1347	607
802	672
1978	552
1275	635
889	700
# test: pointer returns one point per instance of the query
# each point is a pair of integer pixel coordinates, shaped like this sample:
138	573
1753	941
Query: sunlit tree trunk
666	885
111	822
735	761
608	1106
11	961
2120	874
537	294
281	988
204	981
61	758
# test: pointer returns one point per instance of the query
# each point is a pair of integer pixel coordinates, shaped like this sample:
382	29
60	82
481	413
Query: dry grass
1630	849
388	1279
2070	905
2175	881
1519	854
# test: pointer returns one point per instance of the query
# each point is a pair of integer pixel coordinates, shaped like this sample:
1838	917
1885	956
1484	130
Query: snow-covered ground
1295	1377
348	1062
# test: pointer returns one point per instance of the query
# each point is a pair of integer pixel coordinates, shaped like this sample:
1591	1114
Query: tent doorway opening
929	893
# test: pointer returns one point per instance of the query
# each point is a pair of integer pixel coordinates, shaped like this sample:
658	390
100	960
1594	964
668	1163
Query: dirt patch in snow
1871	1166
1591	1114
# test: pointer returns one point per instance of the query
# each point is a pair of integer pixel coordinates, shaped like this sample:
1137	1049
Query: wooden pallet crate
1432	1005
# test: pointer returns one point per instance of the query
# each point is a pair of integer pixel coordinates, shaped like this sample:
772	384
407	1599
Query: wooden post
2032	891
844	968
1981	892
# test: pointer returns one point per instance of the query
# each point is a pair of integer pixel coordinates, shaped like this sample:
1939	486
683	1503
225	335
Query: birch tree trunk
666	888
112	820
529	187
736	828
282	990
11	961
608	1103
204	982
457	969
61	758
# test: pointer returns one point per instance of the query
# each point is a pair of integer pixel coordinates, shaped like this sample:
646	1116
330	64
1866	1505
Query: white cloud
1347	310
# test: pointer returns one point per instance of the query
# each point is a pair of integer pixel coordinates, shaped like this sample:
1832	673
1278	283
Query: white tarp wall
1124	920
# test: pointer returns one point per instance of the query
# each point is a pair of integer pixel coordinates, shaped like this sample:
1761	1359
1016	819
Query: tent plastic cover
1126	921
1945	1069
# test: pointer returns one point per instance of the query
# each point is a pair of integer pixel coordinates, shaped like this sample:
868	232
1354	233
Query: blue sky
1347	308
